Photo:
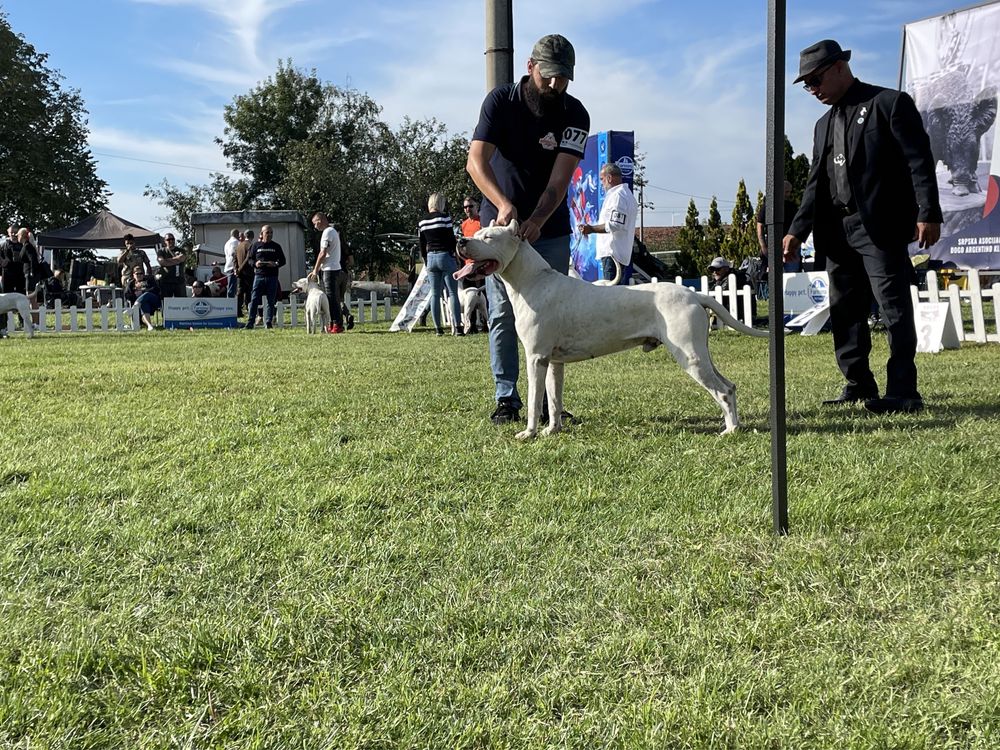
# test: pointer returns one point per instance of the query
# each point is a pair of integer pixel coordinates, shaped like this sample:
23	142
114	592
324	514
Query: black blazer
890	169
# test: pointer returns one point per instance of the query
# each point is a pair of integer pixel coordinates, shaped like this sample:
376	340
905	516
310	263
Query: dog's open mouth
483	267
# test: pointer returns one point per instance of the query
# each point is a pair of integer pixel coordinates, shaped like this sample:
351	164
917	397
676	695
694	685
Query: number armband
574	139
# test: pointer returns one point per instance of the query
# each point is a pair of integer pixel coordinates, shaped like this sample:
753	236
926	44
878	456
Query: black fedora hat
816	56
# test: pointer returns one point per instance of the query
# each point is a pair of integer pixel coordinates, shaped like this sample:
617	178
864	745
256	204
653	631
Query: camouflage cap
554	56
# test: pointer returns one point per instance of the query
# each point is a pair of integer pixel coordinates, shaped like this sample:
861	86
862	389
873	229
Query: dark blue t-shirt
526	149
269	253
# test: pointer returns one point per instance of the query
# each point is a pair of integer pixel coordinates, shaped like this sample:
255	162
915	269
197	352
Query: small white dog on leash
317	304
15	301
560	319
473	302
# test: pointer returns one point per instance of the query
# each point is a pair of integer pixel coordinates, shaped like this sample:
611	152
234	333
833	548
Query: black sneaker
350	322
505	413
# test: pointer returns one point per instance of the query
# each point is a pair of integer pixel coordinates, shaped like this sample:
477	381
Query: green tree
262	125
181	204
48	178
320	147
796	171
690	241
714	233
741	239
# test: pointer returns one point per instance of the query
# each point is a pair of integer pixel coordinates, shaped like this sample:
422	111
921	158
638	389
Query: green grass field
267	540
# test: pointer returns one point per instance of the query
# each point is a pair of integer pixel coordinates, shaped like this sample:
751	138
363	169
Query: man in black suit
871	191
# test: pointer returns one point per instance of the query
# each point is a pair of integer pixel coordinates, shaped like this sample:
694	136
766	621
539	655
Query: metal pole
775	232
499	43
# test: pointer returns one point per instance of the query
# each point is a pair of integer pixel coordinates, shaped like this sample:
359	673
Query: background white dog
317	304
560	319
473	302
15	301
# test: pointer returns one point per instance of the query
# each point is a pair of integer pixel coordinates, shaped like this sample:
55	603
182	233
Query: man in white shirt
615	229
230	268
328	264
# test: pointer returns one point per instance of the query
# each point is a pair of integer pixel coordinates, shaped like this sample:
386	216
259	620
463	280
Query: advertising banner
585	194
199	312
952	65
805	290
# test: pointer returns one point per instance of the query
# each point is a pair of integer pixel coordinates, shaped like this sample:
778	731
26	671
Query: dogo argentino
560	319
317	304
16	302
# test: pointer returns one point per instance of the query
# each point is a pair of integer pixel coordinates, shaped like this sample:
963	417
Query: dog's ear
514	226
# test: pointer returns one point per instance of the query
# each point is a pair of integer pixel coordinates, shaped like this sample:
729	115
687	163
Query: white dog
317	304
12	301
473	302
560	319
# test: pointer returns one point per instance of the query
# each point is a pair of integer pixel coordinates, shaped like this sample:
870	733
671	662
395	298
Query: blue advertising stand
585	195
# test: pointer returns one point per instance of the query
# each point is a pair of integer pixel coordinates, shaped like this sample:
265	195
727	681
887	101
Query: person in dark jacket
266	257
872	190
437	246
12	271
28	258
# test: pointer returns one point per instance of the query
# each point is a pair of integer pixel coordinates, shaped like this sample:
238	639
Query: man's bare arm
479	168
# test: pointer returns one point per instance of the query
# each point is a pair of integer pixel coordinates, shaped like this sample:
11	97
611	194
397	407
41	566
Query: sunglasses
813	81
467	207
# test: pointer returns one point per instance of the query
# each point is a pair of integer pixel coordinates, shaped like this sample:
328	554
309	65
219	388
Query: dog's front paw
526	435
552	429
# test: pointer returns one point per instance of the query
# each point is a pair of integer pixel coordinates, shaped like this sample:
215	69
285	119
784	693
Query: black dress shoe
890	405
852	396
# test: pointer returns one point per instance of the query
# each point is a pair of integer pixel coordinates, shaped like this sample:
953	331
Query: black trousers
859	272
331	283
244	285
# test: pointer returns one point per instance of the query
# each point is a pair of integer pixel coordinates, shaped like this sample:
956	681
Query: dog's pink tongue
467	270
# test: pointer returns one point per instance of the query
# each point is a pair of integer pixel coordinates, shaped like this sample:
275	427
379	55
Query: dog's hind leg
696	360
536	367
554	390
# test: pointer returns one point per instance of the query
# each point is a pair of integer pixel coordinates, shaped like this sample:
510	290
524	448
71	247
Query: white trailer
212	230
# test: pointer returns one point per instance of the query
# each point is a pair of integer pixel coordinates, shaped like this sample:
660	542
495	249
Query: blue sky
687	77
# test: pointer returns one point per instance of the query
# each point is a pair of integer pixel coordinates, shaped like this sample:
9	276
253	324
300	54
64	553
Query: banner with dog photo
951	68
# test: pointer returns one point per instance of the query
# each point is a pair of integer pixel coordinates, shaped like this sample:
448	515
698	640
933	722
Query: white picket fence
739	302
966	306
120	318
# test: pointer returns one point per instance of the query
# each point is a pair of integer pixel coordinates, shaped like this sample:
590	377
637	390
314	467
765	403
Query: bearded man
530	137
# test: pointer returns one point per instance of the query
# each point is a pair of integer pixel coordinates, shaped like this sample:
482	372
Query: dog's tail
618	273
710	303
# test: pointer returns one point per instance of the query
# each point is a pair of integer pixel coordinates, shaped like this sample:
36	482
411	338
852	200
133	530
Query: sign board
805	290
812	320
585	195
951	64
199	312
935	327
414	305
